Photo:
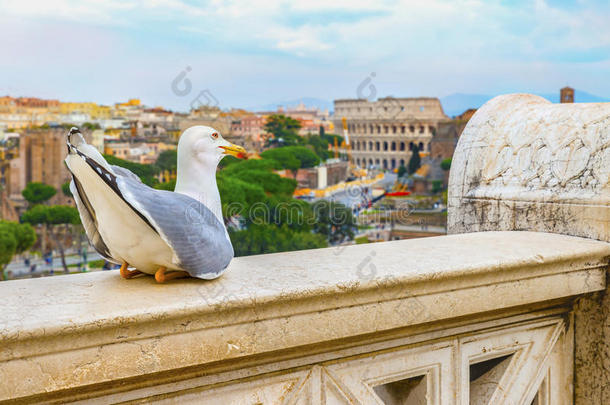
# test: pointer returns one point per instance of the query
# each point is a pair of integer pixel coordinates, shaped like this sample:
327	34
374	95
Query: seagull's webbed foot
128	273
161	276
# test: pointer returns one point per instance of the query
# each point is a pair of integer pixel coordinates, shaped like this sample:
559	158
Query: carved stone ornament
524	163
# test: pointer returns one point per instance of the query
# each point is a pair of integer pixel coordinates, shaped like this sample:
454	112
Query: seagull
162	233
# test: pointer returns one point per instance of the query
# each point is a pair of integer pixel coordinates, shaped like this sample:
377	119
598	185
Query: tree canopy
167	160
8	244
24	234
284	130
51	215
267	238
319	145
414	162
446	164
292	157
65	189
15	238
271	220
334	220
36	193
402	170
285	158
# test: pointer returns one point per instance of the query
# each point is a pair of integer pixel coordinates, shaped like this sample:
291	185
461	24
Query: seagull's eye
214	135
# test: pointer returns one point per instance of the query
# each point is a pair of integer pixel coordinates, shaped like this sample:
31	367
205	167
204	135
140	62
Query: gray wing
89	220
198	239
121	171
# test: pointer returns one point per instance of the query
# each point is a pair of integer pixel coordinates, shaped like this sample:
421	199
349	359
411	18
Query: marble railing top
524	163
297	281
67	332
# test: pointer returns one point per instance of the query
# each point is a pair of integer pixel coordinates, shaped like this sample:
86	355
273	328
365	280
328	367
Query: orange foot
128	273
161	276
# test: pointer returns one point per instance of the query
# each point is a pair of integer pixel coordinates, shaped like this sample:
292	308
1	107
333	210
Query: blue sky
249	53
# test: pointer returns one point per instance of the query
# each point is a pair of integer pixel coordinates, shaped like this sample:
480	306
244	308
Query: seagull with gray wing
168	234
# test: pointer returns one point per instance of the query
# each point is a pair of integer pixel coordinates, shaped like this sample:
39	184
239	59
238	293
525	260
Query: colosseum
384	132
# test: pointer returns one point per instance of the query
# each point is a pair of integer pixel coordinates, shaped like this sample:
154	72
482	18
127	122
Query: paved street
17	268
359	196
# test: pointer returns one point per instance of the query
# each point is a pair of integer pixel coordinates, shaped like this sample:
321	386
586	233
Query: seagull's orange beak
235	150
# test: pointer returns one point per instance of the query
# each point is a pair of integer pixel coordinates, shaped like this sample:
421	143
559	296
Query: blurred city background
350	112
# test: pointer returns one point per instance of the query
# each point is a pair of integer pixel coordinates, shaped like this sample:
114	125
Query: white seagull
168	234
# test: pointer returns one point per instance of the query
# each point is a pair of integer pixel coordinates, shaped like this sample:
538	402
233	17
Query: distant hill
453	104
457	103
307	101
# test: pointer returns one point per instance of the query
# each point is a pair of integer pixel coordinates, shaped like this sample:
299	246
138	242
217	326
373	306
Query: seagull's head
207	146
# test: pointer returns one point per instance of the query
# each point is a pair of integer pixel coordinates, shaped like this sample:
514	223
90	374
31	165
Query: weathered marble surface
523	163
67	332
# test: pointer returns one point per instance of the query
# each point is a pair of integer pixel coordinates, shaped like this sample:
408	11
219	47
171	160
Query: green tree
270	182
58	220
446	164
292	157
322	130
252	164
65	189
89	126
284	130
36	193
229	160
24	235
238	196
168	186
414	162
15	238
167	160
402	170
319	145
285	158
330	138
334	220
267	238
8	244
272	220
306	156
437	186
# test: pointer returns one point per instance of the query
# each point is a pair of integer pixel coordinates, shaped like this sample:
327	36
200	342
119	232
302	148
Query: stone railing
350	325
491	317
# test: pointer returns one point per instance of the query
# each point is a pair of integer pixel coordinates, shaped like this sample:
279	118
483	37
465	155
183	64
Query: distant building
386	132
566	95
310	118
9	170
97	140
328	174
92	110
139	152
23	112
41	159
443	144
251	130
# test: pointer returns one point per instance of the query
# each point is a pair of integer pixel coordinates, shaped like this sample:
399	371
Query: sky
175	53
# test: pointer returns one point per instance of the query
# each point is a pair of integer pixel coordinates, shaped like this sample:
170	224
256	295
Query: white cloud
416	47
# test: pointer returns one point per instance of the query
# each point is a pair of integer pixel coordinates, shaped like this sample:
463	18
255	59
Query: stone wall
523	163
